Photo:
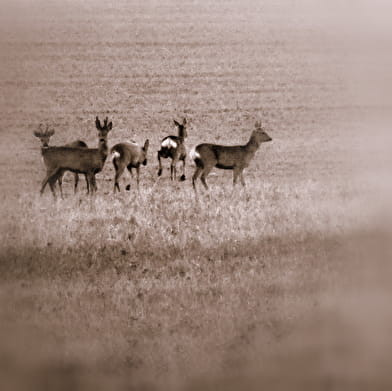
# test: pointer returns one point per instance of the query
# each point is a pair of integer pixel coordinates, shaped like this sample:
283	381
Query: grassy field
283	284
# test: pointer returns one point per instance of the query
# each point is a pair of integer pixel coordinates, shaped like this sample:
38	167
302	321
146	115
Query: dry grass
264	287
158	288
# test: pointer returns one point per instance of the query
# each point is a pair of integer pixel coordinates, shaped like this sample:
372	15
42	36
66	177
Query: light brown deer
128	155
88	161
236	157
44	136
174	147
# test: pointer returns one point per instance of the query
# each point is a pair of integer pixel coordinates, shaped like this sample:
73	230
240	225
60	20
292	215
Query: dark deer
87	161
128	155
44	136
236	157
174	147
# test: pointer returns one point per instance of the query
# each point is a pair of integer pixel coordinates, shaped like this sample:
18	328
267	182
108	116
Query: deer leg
173	169
128	187
49	174
94	182
119	171
51	185
182	178
236	173
44	182
57	177
160	164
206	171
91	180
137	176
52	182
242	179
60	182
195	176
203	180
88	180
87	184
76	176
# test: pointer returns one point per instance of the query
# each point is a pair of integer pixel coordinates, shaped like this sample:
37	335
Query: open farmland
246	289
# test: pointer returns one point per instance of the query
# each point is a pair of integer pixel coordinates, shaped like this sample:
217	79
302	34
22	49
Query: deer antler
97	123
47	132
39	132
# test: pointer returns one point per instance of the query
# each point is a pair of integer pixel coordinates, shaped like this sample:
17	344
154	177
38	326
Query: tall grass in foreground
155	230
158	289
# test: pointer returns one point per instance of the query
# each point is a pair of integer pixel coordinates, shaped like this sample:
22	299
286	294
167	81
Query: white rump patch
115	154
169	143
193	154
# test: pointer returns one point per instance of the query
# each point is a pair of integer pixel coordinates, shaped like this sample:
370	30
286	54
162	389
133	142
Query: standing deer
88	161
129	155
44	136
236	157
174	147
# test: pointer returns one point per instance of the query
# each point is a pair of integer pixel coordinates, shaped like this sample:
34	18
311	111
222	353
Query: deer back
74	159
130	154
228	157
76	144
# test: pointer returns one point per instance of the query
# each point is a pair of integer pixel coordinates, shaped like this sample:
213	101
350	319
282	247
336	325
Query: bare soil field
282	284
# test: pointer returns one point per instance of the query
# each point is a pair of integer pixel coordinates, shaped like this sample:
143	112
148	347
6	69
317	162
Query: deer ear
51	132
184	121
176	123
37	134
110	126
97	123
146	144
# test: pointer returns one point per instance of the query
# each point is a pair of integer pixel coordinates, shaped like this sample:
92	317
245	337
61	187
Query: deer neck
44	148
181	135
103	149
253	145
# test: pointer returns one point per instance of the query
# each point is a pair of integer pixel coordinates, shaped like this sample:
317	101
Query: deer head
182	133
103	130
260	134
44	134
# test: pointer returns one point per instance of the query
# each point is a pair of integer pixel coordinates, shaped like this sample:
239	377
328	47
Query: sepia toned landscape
281	284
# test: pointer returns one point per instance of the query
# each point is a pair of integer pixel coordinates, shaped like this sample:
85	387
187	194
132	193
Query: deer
87	161
174	147
128	155
235	157
44	136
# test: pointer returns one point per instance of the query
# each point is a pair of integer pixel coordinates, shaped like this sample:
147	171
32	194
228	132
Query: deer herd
79	159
